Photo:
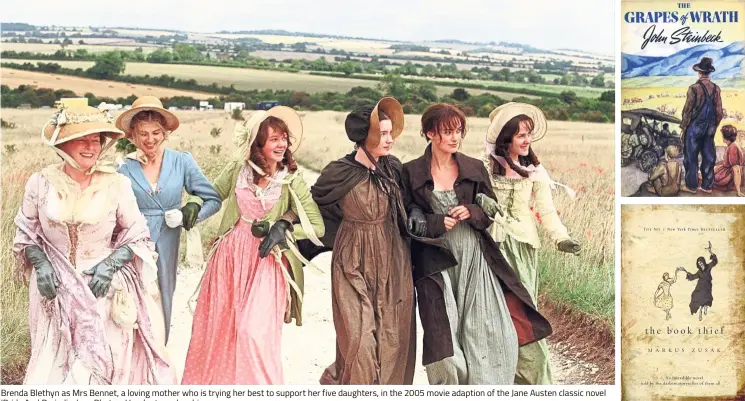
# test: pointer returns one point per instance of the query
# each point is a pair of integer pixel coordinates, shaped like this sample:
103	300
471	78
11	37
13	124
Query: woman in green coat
254	276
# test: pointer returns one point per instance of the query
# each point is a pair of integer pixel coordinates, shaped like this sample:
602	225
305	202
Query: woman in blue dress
159	176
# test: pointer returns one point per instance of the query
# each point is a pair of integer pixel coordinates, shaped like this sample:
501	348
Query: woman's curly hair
258	158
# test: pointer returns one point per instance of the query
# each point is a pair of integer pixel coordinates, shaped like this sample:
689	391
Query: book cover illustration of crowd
683	98
683	335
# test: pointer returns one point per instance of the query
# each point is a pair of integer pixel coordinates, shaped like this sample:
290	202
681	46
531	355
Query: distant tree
608	96
107	65
393	85
598	81
460	94
81	42
568	97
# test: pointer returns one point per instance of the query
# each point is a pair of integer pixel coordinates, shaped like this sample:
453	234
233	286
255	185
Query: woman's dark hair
502	147
729	132
255	153
381	117
440	117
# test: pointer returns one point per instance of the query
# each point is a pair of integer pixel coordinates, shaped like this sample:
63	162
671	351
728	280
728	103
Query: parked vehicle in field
645	134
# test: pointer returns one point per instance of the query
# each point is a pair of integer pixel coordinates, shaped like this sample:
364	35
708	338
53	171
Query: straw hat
75	122
365	122
504	113
78	121
245	134
146	103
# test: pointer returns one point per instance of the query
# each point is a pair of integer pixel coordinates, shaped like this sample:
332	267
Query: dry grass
49	48
14	78
577	154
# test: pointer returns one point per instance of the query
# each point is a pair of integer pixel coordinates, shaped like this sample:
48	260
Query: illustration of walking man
701	116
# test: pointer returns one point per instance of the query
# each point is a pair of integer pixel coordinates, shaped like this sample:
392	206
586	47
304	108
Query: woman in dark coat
474	310
701	297
371	275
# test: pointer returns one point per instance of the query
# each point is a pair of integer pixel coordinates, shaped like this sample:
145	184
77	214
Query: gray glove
569	246
417	222
46	280
489	205
104	271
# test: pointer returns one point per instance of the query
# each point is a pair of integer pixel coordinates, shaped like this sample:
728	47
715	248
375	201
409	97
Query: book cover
682	302
668	49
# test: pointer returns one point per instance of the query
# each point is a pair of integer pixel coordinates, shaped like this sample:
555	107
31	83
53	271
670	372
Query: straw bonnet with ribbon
75	122
504	113
245	134
364	122
146	103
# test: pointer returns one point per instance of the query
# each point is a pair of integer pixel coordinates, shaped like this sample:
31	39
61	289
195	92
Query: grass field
48	48
577	154
248	79
733	101
81	86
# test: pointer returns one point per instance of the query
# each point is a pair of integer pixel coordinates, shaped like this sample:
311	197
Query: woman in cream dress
84	249
518	178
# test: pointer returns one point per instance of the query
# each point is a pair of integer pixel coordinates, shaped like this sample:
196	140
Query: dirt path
309	349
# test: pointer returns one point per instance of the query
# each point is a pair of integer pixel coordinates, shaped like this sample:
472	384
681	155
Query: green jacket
225	186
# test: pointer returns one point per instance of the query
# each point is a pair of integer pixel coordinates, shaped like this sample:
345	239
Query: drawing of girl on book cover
662	297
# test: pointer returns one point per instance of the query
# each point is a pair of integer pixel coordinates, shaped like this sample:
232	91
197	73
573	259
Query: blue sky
579	24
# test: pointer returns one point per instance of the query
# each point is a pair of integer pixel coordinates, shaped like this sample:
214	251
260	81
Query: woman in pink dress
254	277
84	248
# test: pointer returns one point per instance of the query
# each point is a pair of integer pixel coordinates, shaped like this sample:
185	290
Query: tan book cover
683	302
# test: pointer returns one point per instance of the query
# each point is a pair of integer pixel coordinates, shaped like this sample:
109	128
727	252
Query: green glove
489	205
190	212
46	280
104	271
569	246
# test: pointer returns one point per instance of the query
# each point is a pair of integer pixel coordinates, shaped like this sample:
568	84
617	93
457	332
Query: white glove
174	218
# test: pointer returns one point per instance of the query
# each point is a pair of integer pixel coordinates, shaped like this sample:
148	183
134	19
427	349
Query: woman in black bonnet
372	288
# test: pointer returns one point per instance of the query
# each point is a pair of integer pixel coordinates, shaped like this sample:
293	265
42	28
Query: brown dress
373	294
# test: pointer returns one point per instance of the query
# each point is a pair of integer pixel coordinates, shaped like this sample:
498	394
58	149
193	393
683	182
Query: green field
248	79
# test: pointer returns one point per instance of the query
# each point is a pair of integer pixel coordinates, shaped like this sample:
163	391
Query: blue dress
178	172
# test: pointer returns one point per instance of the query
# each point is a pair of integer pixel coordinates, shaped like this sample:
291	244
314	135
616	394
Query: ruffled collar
535	174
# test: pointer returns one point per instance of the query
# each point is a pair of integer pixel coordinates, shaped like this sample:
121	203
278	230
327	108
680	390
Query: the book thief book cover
682	302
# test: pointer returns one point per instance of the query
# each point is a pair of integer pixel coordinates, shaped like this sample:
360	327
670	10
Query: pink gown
237	328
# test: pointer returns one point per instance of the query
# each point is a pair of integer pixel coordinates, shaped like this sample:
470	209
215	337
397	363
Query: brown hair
258	158
441	116
502	146
381	117
729	132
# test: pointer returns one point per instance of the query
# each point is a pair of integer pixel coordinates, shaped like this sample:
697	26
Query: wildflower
583	164
588	233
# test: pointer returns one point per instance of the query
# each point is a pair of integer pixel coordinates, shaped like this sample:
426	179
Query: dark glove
190	212
276	236
489	206
569	246
104	271
417	223
46	280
